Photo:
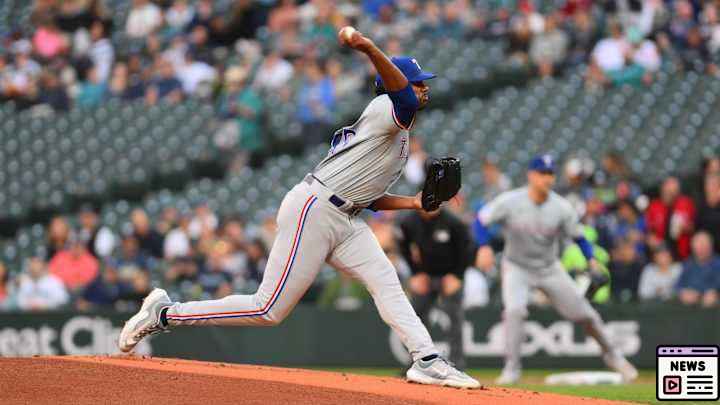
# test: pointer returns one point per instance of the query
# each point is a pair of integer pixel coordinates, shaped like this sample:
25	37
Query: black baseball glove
442	182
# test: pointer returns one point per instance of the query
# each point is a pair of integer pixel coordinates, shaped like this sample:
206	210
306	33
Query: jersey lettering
340	138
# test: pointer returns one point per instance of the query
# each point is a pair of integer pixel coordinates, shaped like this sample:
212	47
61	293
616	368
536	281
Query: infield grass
641	391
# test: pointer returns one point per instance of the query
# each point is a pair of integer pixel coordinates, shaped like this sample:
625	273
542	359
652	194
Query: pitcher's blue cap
543	164
410	68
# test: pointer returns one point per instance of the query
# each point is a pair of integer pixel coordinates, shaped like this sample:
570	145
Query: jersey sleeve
495	211
405	104
571	226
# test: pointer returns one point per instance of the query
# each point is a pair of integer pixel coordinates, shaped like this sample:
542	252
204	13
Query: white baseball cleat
439	372
509	376
617	362
146	322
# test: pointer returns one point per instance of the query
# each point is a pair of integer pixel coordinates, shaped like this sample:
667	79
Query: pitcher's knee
273	318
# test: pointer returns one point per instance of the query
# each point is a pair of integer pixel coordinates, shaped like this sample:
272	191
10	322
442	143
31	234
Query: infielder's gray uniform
533	237
318	223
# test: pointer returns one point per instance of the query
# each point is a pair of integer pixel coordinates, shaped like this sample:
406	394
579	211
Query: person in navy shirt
700	280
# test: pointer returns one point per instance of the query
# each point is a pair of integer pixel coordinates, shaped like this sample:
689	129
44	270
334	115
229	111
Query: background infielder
535	222
318	223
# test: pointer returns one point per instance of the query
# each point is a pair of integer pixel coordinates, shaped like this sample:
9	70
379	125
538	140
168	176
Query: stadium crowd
654	249
240	54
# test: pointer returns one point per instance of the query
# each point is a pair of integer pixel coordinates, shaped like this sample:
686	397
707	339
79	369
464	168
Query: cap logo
416	63
548	160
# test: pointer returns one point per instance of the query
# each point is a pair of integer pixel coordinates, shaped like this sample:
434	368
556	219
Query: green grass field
641	391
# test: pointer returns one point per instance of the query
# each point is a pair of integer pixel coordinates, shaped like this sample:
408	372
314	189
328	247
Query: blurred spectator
216	281
321	30
700	279
644	53
583	34
196	76
53	93
519	41
139	289
346	84
4	287
608	60
243	108
658	278
415	166
168	220
165	85
682	22
204	221
708	218
144	18
101	52
182	272
625	269
99	240
548	48
38	290
626	224
21	76
670	218
373	7
177	241
710	28
92	91
104	292
74	265
257	257
48	42
316	102
273	73
150	240
180	15
283	17
495	181
57	236
236	261
131	259
125	86
695	55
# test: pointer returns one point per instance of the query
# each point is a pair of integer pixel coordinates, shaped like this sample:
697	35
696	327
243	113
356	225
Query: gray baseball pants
313	231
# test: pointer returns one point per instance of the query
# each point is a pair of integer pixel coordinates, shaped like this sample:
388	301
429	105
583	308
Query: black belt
334	199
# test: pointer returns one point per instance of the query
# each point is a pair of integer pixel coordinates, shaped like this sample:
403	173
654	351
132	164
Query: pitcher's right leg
293	264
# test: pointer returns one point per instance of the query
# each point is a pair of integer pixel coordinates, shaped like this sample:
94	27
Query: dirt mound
134	380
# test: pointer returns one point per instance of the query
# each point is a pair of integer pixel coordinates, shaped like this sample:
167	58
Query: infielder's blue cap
542	164
410	68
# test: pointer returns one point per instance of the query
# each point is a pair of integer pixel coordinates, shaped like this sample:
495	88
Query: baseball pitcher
318	223
535	222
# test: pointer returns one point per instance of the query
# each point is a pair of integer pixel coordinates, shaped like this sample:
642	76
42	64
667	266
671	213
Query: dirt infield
134	380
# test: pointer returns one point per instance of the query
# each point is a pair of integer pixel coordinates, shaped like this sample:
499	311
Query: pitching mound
133	380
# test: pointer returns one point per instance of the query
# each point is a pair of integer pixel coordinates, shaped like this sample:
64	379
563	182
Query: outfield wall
314	337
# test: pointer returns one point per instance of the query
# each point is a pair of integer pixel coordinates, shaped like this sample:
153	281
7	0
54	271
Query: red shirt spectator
75	266
670	218
48	41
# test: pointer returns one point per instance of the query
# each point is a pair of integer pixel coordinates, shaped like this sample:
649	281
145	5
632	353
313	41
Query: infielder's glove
442	182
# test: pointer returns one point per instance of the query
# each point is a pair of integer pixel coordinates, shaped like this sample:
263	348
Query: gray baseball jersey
533	235
367	157
533	232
